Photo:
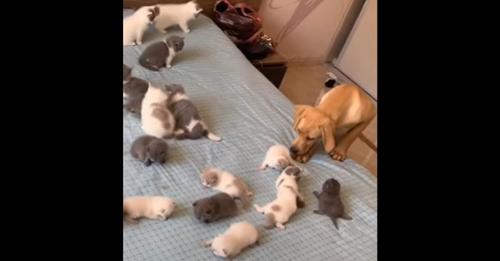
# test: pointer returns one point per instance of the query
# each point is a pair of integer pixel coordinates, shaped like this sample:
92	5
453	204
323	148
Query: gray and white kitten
161	54
127	73
188	123
134	90
157	120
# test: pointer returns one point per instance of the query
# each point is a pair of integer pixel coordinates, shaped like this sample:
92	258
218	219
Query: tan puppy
226	182
152	207
344	112
238	237
288	199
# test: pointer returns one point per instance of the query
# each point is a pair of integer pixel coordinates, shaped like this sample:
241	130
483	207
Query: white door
358	58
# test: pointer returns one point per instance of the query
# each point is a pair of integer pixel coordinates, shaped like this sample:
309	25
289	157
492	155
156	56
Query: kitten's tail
212	136
209	134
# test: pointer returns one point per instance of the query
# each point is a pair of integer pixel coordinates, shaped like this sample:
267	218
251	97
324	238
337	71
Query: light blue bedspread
240	105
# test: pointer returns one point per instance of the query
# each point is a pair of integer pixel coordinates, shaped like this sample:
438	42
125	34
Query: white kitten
152	207
239	236
288	199
157	120
176	14
228	183
135	25
277	157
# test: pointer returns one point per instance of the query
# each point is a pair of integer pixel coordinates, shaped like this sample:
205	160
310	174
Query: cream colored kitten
238	237
151	207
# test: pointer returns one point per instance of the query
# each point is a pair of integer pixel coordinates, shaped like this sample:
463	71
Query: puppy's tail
270	221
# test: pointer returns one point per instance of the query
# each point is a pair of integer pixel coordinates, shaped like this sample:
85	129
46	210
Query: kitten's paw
280	226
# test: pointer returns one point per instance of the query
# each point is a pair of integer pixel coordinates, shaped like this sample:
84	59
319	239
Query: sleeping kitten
176	14
151	207
135	25
157	120
149	150
215	207
187	119
238	237
161	54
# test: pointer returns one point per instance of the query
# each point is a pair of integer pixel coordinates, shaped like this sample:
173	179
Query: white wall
358	59
305	29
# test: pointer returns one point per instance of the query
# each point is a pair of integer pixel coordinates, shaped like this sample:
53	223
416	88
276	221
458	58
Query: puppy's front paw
303	158
139	43
338	154
169	66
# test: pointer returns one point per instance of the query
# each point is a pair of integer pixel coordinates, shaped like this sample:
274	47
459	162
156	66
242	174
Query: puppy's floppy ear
328	134
299	113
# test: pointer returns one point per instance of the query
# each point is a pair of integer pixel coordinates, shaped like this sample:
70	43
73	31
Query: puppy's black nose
293	150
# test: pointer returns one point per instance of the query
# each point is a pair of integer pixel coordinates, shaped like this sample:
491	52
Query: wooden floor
302	85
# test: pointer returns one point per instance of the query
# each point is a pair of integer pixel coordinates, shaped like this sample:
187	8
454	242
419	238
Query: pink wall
304	29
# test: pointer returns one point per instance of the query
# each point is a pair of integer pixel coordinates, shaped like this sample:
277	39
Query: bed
240	105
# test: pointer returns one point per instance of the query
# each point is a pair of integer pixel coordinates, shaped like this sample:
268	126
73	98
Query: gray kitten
161	54
329	202
149	149
133	93
216	207
127	72
188	123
